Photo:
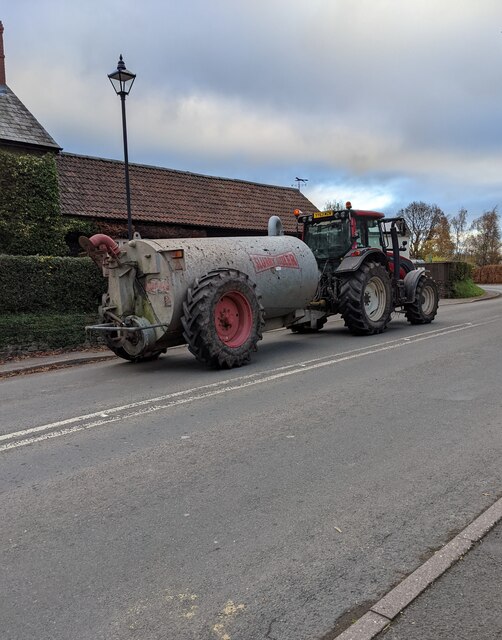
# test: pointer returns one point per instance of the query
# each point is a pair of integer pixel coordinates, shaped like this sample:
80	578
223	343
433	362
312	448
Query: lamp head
122	79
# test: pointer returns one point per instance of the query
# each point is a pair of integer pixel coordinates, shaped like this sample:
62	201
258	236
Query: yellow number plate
323	214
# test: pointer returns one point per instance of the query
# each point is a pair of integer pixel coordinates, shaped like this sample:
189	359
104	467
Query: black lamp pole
122	81
126	165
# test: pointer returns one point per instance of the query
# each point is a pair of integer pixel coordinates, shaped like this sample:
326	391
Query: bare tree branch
421	219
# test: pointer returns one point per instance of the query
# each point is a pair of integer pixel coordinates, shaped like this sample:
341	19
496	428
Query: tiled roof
95	187
18	126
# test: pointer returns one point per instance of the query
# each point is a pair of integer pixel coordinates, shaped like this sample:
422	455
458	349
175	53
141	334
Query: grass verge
466	289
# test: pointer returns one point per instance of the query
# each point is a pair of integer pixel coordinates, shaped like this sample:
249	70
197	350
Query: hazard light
297	213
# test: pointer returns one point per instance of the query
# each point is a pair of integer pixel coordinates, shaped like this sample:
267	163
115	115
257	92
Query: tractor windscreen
330	239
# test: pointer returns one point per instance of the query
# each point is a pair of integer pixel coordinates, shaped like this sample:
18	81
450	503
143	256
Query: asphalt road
161	500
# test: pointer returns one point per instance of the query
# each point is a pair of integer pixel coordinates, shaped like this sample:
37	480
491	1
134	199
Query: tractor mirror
401	227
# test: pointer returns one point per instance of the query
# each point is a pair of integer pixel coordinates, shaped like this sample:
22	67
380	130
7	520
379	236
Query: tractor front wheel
366	299
425	306
222	319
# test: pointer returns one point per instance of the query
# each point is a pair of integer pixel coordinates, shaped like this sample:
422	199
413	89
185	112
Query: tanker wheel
222	319
307	328
122	353
366	300
115	345
425	306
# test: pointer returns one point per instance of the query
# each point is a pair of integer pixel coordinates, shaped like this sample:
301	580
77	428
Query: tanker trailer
217	295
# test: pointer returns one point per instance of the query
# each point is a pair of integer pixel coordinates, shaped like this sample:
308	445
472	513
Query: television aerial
300	181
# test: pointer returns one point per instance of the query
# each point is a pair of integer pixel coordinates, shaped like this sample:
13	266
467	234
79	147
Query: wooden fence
443	273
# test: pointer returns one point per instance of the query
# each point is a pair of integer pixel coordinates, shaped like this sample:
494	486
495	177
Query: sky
381	102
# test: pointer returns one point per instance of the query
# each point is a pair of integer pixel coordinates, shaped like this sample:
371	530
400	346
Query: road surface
276	501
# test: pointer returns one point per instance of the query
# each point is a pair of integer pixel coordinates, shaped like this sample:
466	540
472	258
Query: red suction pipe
100	241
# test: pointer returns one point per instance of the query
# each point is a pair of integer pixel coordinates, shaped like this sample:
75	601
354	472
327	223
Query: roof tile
94	187
18	125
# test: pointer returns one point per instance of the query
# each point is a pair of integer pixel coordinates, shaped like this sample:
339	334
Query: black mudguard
353	263
411	281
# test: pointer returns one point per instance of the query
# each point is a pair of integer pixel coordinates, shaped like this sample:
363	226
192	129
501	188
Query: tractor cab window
368	233
330	239
362	232
373	234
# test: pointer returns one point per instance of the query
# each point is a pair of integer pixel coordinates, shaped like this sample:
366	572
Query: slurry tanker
218	295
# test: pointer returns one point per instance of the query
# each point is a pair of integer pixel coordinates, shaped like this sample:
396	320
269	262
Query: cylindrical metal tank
152	277
215	294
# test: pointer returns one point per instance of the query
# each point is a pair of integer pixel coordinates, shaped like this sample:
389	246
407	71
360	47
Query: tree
30	218
484	243
459	225
421	219
334	205
440	243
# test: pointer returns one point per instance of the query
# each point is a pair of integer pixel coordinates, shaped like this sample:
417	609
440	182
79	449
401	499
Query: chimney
2	57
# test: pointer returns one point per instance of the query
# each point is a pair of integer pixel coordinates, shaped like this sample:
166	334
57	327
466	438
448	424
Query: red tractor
362	274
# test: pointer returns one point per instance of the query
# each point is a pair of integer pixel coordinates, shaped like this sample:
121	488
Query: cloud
399	99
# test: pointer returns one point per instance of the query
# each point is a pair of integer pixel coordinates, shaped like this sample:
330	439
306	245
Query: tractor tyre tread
414	311
352	300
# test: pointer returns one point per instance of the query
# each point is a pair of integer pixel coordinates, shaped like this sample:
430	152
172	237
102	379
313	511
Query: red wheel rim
233	319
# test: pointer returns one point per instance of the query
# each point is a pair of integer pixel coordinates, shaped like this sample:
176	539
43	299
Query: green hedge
30	218
462	271
31	284
25	332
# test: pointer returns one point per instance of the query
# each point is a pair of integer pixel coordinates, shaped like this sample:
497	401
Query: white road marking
25	437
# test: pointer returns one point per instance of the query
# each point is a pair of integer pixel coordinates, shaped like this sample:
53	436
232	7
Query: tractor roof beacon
363	275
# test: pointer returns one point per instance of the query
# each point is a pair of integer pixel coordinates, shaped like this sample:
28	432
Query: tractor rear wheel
366	299
222	319
425	306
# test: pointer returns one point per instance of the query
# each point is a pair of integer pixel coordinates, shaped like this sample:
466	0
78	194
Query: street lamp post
122	81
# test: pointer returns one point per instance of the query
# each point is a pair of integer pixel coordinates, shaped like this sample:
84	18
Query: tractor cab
334	235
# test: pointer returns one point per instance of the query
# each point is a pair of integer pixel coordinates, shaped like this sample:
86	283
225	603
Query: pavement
455	594
32	364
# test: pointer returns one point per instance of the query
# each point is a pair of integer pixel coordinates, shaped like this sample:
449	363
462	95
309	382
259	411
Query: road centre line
190	395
